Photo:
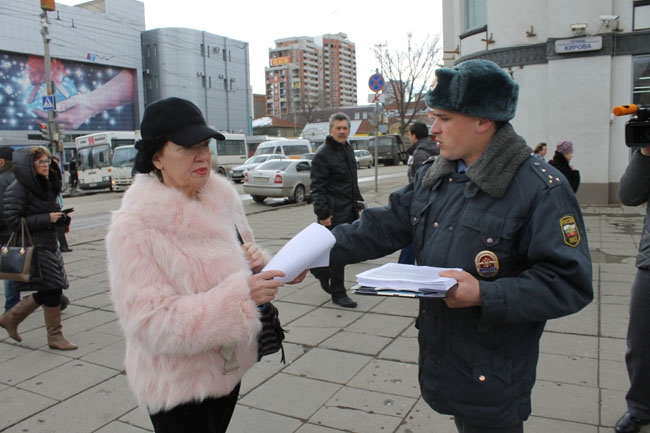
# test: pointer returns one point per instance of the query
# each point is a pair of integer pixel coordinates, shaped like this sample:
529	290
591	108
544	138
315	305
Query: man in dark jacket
510	222
12	295
635	191
422	149
336	197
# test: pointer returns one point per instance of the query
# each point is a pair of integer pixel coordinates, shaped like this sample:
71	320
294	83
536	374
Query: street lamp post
52	128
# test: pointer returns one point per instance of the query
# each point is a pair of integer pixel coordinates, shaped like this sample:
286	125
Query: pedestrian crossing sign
48	103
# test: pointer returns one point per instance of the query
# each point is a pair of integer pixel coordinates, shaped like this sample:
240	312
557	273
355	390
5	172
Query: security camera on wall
579	27
609	17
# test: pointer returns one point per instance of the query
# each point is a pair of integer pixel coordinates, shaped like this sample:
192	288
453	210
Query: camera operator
634	191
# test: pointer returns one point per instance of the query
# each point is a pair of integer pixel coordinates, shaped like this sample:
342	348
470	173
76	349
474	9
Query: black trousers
637	357
464	427
332	277
49	298
212	415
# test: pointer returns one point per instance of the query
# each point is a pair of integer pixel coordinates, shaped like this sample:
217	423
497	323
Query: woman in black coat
561	160
32	196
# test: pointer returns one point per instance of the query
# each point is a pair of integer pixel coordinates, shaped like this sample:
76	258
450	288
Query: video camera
637	129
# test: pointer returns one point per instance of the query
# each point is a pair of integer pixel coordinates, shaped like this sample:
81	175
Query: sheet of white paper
308	249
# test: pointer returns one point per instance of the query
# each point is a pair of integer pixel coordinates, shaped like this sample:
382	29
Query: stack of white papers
406	278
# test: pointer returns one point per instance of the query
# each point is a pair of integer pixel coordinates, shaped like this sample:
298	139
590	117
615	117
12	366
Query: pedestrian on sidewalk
635	191
55	170
12	295
336	198
561	159
181	284
32	197
422	149
514	226
74	175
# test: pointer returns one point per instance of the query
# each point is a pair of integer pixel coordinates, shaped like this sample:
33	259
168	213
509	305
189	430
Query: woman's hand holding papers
466	294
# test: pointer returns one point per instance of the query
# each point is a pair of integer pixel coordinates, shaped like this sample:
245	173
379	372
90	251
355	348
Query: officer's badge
487	264
570	231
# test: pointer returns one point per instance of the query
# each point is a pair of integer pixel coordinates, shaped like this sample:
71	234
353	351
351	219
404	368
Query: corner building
574	61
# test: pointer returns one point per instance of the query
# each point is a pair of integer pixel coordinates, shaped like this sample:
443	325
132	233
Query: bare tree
409	75
307	105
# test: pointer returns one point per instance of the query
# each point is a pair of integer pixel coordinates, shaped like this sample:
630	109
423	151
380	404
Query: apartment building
310	73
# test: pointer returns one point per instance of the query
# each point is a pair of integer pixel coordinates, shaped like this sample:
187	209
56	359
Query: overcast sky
260	24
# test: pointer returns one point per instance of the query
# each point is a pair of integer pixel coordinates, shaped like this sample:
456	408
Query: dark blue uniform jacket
514	223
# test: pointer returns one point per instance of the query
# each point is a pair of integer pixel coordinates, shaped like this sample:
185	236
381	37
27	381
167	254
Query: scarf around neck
494	169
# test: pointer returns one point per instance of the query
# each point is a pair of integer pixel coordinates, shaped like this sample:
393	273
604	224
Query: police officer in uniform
514	226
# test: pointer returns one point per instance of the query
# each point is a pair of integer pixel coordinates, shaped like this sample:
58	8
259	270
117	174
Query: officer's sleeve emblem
570	231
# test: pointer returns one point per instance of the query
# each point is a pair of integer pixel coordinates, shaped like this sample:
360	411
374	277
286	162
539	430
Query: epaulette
430	160
547	174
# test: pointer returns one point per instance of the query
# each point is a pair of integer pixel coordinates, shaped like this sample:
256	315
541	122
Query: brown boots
55	338
12	318
19	312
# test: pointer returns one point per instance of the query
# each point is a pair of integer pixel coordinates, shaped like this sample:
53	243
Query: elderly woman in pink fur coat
182	285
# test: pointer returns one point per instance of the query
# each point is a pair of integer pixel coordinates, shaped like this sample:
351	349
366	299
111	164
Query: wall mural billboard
88	96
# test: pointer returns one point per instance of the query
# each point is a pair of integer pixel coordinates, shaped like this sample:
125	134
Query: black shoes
630	424
66	250
344	301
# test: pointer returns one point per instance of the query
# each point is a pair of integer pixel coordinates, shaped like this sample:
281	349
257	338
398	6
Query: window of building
641	90
475	13
641	14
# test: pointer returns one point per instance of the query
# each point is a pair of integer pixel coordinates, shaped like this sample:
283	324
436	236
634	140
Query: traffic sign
376	82
48	103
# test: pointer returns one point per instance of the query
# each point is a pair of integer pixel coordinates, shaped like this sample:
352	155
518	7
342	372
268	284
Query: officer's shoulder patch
546	173
570	230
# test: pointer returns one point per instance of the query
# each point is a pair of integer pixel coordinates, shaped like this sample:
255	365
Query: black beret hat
179	120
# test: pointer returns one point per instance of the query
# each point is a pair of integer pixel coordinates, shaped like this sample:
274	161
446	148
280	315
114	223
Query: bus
228	153
95	157
122	167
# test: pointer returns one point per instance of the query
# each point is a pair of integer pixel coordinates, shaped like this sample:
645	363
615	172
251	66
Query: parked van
291	148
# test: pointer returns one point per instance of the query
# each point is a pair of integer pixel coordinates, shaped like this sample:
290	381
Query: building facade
95	62
307	74
102	59
293	77
212	71
574	62
339	70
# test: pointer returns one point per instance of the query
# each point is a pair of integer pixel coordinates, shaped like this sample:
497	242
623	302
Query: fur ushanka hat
477	88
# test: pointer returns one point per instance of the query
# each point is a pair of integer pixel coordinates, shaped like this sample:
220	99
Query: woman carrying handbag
32	196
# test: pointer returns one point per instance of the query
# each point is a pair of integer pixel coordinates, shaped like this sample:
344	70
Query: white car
237	173
364	158
279	178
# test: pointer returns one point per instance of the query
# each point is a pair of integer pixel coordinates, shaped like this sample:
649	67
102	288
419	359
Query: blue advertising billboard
89	97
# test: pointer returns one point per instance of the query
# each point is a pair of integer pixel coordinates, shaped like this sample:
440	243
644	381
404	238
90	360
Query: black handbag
16	260
271	337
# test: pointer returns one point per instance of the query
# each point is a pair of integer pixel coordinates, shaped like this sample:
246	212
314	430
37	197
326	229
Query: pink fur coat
179	285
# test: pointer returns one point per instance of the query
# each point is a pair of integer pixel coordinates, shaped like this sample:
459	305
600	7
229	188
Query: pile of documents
396	279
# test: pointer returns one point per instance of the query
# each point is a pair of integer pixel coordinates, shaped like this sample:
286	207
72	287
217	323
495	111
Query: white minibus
291	148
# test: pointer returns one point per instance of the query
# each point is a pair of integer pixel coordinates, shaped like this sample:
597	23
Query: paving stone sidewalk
346	371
